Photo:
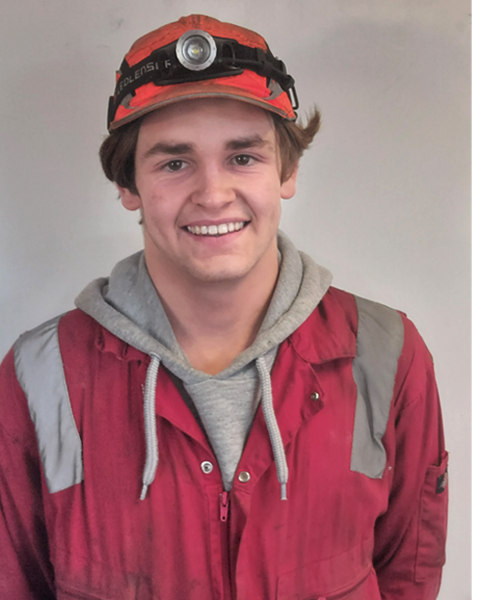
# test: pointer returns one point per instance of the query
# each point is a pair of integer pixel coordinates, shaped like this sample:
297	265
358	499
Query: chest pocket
126	587
80	576
348	576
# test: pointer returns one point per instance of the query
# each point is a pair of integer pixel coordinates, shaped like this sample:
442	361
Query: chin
226	276
219	273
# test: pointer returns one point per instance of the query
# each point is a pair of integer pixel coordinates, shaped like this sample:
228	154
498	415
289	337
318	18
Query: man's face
208	177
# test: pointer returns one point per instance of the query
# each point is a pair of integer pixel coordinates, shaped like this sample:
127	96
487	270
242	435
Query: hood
128	306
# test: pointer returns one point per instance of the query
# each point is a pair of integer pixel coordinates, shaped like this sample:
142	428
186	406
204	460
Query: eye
174	165
243	160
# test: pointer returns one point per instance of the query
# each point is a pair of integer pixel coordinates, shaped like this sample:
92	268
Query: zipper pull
224	506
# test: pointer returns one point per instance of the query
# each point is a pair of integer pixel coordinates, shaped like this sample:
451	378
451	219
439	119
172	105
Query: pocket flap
333	575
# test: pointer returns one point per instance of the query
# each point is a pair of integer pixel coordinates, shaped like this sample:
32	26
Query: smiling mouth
216	230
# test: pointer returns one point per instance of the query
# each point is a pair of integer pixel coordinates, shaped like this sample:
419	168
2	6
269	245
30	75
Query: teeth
221	229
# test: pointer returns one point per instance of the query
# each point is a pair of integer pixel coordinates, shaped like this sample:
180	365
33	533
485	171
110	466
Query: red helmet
200	57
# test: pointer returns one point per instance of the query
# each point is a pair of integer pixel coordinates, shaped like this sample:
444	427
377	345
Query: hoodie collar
128	306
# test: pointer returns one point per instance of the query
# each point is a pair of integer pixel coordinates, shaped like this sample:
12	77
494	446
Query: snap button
206	466
244	476
315	396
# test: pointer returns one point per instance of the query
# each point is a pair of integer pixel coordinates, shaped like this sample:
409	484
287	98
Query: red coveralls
340	534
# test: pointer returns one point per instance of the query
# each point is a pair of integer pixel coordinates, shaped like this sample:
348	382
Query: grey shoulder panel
40	373
379	343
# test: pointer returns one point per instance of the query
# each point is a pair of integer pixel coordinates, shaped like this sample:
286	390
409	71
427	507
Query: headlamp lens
196	50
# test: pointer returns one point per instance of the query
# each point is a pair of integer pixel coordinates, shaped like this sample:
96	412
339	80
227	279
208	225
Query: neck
213	322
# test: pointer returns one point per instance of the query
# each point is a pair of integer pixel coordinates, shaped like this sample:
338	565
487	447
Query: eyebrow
254	141
168	149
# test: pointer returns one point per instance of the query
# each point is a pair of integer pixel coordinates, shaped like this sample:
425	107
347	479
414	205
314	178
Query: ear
129	200
289	186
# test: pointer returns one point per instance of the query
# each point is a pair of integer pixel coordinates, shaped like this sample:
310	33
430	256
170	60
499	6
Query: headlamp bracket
162	67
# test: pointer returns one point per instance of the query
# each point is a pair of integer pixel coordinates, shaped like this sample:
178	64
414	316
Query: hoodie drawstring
272	425
148	474
152	438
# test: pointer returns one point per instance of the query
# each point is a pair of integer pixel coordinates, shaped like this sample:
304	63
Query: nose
214	188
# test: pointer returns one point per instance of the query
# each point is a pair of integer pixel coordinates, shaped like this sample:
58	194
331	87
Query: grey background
383	198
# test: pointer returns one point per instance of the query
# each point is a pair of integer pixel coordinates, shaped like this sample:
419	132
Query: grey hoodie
128	305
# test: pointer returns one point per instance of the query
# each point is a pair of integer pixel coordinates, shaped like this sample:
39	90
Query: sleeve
410	536
26	572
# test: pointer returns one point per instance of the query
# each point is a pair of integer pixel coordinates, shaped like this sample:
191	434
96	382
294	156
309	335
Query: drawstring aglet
283	491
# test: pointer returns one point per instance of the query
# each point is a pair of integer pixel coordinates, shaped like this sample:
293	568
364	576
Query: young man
214	421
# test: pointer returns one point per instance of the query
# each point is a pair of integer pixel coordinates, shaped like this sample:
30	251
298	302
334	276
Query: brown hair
117	152
294	139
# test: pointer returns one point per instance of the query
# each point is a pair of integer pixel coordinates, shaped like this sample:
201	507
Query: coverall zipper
226	563
224	506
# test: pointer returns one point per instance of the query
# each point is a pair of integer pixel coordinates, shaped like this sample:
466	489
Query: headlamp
196	50
209	59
